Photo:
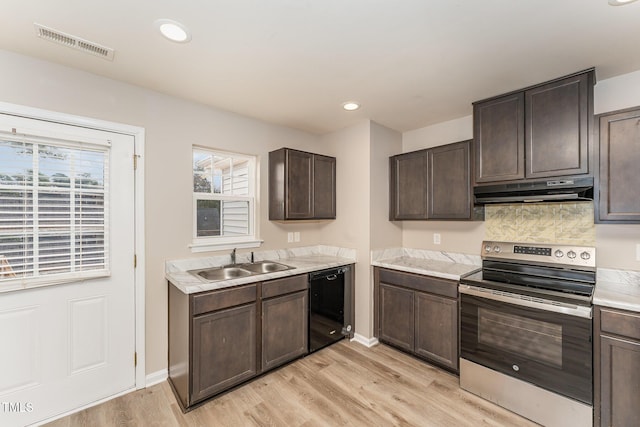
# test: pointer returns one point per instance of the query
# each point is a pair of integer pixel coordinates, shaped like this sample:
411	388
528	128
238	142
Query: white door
71	343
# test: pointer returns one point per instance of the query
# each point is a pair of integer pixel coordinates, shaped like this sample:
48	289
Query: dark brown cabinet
212	341
617	367
302	186
285	332
434	183
224	350
418	314
619	180
219	339
539	132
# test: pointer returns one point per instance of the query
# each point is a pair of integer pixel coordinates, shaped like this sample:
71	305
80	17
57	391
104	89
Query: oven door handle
524	301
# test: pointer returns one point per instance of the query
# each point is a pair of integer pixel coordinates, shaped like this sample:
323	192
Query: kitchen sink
261	267
215	274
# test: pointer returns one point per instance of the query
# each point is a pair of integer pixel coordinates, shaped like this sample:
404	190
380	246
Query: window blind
54	205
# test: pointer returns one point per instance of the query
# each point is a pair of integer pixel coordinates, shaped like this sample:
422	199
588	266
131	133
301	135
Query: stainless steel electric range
526	331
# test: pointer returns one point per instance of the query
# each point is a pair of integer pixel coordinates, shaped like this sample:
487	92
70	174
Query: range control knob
487	248
496	249
558	253
571	254
585	255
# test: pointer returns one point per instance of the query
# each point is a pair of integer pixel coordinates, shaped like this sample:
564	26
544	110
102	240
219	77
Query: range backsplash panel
562	223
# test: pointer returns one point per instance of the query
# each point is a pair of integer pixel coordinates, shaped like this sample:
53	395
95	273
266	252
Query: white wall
172	126
351	148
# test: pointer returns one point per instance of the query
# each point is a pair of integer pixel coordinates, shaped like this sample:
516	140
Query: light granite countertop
304	260
446	265
618	289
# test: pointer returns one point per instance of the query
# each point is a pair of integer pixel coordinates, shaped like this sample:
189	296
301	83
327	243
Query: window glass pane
208	218
53	216
202	172
235	218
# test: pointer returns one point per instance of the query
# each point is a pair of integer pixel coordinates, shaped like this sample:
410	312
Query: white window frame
213	243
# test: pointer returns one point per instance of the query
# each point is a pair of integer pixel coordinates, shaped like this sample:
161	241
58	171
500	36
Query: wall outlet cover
436	238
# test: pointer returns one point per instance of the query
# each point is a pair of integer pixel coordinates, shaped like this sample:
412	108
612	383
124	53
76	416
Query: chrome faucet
233	256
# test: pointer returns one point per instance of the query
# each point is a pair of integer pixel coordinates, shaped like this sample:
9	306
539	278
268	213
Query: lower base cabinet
224	350
418	314
617	367
220	339
284	326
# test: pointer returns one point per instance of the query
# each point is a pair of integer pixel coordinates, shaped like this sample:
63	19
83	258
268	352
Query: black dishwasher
326	307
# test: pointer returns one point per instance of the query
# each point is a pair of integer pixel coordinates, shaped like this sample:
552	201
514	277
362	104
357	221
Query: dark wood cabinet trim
418	282
302	186
616	355
225	298
284	329
537	120
240	343
276	287
401	308
617	158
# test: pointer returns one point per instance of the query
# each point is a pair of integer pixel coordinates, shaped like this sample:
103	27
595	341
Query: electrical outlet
637	251
436	238
290	237
296	236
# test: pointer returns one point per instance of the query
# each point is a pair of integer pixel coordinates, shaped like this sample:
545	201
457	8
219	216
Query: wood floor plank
345	384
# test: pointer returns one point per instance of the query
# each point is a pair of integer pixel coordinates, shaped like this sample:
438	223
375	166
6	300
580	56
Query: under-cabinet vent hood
556	190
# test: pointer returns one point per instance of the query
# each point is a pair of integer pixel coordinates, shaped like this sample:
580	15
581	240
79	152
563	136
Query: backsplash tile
563	223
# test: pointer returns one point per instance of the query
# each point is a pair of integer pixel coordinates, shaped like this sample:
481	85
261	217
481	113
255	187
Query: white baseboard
156	377
367	342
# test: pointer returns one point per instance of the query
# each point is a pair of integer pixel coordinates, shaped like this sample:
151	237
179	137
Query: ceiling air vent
73	42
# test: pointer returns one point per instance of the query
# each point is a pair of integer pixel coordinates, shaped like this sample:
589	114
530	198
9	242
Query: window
223	200
53	210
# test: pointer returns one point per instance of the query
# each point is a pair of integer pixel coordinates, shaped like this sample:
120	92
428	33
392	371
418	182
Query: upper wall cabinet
431	184
539	132
619	198
302	185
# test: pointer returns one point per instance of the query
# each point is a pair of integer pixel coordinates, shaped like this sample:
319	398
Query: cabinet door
436	329
408	186
498	132
619	382
619	160
557	128
396	316
449	184
224	350
299	187
324	187
284	329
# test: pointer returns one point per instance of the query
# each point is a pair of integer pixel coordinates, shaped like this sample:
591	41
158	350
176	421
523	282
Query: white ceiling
411	63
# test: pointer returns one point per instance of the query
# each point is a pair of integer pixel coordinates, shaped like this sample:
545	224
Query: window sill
226	245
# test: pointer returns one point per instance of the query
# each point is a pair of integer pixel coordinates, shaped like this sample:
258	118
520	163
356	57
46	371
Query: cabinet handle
332	277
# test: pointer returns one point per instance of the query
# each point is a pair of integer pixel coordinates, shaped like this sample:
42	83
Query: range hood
555	190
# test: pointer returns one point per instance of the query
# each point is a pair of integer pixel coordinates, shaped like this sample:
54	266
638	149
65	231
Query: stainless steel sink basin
221	273
262	267
216	274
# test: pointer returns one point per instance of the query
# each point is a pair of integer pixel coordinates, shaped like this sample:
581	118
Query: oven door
550	349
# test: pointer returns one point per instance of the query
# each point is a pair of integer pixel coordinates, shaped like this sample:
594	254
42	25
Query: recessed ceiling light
350	106
620	2
173	30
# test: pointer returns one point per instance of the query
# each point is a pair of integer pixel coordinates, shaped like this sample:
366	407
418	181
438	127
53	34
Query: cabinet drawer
620	323
283	286
216	300
418	282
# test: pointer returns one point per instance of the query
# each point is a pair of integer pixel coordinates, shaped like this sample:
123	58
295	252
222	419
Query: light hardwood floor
346	384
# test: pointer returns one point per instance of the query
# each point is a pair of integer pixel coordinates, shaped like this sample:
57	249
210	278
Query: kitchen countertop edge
189	284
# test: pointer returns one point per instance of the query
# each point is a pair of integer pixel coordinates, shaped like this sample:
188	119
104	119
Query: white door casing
70	345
